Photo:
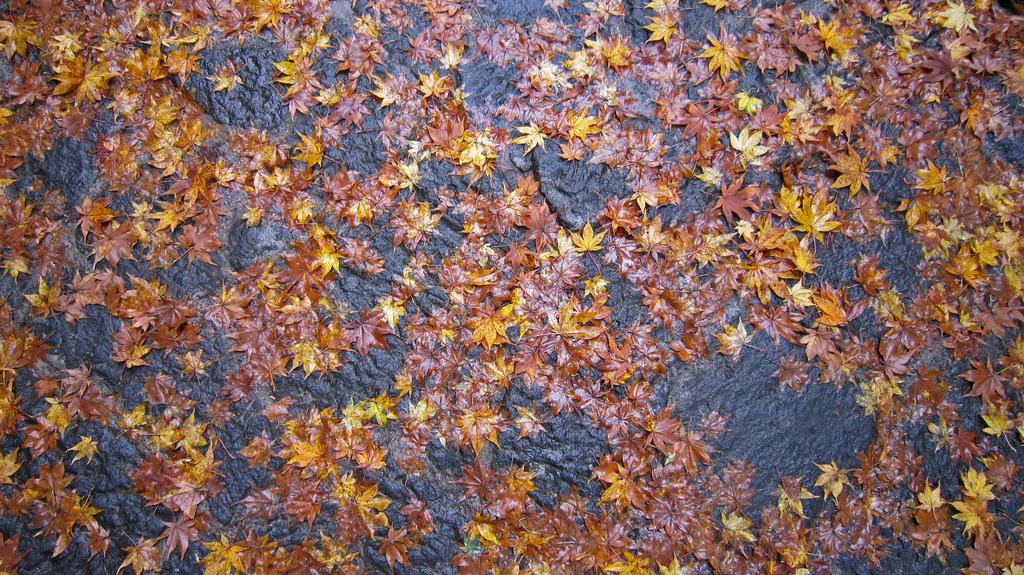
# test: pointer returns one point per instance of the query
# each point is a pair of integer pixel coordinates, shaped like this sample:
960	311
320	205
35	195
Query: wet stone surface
575	192
780	432
70	167
250	244
253	103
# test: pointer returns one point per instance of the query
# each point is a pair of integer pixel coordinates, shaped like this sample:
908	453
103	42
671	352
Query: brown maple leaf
181	533
369	332
986	383
735	201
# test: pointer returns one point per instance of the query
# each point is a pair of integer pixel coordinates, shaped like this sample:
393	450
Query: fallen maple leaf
732	339
530	136
956	16
489	330
661	29
735	200
853	172
581	125
986	383
815	214
369	332
748	144
587	241
723	54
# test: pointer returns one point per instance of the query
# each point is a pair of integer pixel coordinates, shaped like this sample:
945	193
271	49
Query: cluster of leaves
790	120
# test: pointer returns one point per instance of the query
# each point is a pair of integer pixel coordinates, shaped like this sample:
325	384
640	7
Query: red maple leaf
987	384
735	201
369	332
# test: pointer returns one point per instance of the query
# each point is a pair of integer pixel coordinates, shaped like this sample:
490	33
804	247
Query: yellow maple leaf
800	295
955	16
970	512
732	339
899	16
837	39
386	90
452	56
530	136
169	218
422	411
723	55
831	479
661	29
304	454
190	434
84	449
616	54
489	330
996	424
381	408
1013	568
65	46
738	525
223	558
595	286
88	81
748	104
853	172
15	266
328	258
433	84
748	144
976	485
8	466
717	4
815	214
477	150
392	309
226	78
56	416
933	178
930	498
44	299
674	568
306	355
290	71
310	150
587	241
571	322
15	36
329	97
581	124
711	176
802	256
630	565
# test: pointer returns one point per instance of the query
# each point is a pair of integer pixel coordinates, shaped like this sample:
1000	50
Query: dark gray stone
252	104
247	245
576	191
780	432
